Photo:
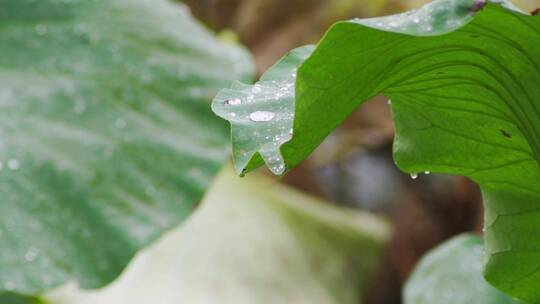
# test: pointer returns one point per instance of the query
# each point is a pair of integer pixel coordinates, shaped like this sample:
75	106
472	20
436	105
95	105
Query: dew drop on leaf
261	116
414	175
256	89
31	254
13	164
233	102
41	29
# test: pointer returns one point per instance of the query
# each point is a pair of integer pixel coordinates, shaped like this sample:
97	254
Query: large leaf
463	80
452	274
251	241
107	138
10	298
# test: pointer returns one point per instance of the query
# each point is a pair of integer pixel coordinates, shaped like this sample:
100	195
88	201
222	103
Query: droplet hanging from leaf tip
256	89
414	175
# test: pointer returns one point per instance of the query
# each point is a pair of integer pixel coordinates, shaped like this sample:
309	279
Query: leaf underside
251	231
106	135
452	273
464	87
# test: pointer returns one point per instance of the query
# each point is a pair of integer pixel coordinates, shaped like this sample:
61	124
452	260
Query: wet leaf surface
107	139
463	85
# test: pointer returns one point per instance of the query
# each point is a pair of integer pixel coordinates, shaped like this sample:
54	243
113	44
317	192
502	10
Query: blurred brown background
354	166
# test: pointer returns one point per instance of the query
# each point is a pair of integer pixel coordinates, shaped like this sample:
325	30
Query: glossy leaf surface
107	139
464	90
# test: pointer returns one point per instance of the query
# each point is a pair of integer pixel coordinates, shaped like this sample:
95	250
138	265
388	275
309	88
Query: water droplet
41	29
427	172
414	175
120	123
31	254
256	89
233	102
261	116
389	101
13	164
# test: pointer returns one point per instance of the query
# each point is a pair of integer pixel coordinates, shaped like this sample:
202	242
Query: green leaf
107	137
261	114
452	273
10	298
464	100
251	241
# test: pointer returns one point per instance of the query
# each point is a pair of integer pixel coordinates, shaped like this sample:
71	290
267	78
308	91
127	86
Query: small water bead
120	123
427	172
31	254
279	169
261	116
389	101
414	175
13	164
41	29
233	102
